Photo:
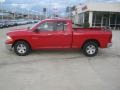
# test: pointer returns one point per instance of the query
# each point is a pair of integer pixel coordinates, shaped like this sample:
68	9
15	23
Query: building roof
104	7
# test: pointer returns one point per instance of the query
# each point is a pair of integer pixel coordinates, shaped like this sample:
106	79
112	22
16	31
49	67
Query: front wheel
90	49
21	48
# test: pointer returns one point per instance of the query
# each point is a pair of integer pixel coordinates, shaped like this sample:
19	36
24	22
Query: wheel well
21	40
92	40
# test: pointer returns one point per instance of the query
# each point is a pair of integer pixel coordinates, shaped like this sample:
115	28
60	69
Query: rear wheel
22	48
90	49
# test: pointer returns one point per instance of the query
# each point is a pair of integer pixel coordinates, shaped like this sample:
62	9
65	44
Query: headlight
9	38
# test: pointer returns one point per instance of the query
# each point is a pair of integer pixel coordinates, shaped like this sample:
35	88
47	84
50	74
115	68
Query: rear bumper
109	45
9	46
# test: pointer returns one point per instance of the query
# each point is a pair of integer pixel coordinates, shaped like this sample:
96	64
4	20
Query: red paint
70	38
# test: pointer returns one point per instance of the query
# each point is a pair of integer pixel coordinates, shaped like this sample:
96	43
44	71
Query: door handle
65	34
49	34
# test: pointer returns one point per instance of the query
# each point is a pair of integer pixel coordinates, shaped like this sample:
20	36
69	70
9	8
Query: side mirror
36	30
28	28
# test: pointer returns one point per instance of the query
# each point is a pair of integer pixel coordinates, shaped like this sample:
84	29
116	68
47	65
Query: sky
51	5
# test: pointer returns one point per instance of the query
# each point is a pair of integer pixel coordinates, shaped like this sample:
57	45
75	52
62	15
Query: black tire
90	52
25	48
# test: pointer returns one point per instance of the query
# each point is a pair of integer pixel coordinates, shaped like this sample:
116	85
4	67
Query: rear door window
61	25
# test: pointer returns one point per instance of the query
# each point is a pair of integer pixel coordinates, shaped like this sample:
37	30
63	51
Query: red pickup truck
58	34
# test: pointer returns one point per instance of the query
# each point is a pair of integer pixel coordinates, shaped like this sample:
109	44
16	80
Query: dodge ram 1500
58	34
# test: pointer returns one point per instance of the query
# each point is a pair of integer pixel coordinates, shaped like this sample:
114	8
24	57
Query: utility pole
44	11
13	12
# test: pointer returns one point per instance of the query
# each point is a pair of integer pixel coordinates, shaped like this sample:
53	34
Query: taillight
110	37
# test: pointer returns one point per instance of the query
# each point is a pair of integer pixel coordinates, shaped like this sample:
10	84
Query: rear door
63	36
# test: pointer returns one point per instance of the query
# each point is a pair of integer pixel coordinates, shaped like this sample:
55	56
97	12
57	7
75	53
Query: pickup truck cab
58	34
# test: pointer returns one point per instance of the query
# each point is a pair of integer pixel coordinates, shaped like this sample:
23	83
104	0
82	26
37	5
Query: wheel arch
22	40
91	40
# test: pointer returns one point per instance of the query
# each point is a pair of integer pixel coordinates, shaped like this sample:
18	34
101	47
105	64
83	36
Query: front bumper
109	45
9	46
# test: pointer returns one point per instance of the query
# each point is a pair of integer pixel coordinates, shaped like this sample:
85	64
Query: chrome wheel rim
21	48
91	49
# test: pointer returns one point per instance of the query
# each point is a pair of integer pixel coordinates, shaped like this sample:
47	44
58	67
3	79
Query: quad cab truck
58	34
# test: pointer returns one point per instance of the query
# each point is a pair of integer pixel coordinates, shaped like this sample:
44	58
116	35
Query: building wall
106	7
99	14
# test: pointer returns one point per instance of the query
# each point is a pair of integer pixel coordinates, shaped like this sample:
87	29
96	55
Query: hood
18	31
15	29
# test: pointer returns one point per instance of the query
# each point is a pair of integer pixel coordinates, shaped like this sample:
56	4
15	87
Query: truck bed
79	28
90	29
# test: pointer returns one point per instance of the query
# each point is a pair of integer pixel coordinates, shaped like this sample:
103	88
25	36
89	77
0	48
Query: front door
53	35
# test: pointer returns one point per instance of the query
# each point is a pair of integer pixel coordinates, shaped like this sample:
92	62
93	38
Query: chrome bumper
9	46
109	45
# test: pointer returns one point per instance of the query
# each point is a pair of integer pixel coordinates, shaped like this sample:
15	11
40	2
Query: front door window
47	26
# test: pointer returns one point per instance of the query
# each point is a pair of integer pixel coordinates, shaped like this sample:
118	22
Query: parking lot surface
60	70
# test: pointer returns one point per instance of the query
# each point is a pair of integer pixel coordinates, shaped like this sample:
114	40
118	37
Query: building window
112	18
118	18
81	18
86	18
118	21
97	17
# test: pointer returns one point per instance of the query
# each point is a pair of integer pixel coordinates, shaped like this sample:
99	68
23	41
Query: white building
98	14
